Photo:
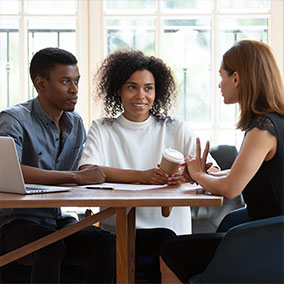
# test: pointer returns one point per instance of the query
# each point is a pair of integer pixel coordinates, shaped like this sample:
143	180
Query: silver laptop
11	177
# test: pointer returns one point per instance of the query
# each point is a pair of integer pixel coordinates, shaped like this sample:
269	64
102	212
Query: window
26	27
190	36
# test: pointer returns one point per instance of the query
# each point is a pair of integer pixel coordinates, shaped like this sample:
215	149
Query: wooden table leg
131	243
166	211
125	245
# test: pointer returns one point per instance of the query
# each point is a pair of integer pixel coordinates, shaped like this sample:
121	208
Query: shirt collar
135	125
65	119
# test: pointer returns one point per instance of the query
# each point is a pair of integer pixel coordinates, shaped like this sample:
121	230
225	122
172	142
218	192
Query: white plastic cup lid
173	155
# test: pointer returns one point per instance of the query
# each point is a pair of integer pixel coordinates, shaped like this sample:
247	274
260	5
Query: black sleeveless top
264	193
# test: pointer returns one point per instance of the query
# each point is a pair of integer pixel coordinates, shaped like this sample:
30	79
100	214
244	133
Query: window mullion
214	67
158	31
276	32
96	51
23	54
82	47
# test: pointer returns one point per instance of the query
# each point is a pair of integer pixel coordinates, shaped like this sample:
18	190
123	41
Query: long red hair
261	87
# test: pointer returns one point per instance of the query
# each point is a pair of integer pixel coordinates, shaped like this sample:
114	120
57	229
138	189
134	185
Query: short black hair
45	60
119	66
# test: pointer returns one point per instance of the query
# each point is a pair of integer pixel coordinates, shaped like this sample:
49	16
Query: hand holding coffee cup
170	163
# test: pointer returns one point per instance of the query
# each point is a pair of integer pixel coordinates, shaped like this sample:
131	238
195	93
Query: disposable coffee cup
171	161
170	164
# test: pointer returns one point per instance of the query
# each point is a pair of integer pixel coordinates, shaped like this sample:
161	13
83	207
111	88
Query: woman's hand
154	176
176	178
158	176
197	165
187	177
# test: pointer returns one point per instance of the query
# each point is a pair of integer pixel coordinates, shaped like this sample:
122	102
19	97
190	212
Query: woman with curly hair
138	92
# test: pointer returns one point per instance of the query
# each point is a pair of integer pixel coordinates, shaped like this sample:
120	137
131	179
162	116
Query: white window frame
91	51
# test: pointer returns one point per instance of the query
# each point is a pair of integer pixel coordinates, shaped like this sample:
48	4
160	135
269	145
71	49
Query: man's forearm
41	176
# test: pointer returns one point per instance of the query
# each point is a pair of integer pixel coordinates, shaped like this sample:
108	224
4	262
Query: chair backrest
234	218
224	155
249	253
207	219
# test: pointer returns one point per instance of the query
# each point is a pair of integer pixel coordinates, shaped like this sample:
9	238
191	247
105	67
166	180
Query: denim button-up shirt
38	145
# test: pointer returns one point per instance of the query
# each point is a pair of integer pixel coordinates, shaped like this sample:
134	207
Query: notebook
11	177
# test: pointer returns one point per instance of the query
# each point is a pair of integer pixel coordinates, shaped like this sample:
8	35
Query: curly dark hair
119	66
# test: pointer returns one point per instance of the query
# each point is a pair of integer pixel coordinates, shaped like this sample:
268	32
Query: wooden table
117	202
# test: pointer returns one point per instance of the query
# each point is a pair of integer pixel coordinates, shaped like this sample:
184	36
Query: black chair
250	253
207	219
234	218
19	273
224	155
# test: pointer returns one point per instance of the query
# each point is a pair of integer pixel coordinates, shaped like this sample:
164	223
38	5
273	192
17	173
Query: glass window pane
57	32
230	137
9	62
9	7
232	29
50	32
204	135
51	7
130	33
134	6
175	5
228	114
186	48
243	5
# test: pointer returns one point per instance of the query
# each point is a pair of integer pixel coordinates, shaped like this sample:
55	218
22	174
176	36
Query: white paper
124	186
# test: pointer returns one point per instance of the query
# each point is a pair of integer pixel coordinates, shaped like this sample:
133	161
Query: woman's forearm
219	173
221	183
122	175
151	176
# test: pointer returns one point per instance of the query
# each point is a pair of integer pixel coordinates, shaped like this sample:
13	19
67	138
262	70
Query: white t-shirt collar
135	125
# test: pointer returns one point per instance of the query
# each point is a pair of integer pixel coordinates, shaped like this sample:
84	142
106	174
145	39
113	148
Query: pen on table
100	187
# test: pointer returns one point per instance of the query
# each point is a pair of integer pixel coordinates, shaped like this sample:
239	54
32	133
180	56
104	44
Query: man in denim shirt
49	137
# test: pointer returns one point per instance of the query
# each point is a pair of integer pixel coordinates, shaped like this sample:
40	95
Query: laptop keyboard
35	190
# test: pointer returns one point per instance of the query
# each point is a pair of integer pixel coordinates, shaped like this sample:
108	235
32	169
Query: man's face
60	90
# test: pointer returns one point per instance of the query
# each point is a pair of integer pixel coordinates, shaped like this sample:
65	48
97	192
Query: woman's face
229	86
138	95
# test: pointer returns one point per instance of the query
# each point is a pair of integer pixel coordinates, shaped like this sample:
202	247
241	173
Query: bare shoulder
259	142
